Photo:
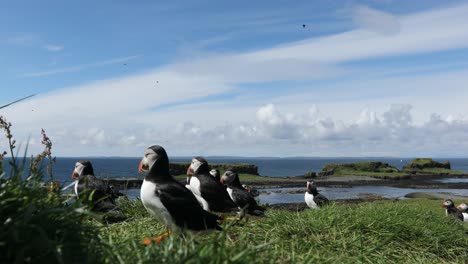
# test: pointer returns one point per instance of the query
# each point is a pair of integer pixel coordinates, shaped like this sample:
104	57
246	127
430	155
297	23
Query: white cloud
376	20
52	48
81	67
26	39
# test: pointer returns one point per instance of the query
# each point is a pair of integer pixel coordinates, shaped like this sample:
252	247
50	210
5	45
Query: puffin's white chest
309	200
229	190
153	204
195	189
465	217
76	188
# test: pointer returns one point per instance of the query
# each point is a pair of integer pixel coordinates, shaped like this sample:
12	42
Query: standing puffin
450	209
169	200
243	198
101	193
312	198
209	192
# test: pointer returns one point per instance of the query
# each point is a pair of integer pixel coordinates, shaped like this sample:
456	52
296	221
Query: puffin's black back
213	191
184	208
102	195
241	197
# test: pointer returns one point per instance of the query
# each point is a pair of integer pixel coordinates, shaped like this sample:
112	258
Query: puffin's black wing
184	208
245	200
102	194
215	194
321	200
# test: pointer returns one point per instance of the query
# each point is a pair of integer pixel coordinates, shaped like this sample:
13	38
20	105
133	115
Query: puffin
209	192
103	195
251	190
463	207
450	209
216	175
168	200
312	198
244	199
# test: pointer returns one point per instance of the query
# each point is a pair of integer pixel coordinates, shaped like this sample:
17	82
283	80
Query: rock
425	163
364	166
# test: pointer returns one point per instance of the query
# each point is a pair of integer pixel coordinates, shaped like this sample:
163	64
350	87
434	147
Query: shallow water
452	180
282	195
277	196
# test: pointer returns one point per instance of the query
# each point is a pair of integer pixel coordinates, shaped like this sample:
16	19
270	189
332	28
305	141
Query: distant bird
168	200
209	192
463	207
303	25
243	199
312	198
86	184
216	175
450	209
125	64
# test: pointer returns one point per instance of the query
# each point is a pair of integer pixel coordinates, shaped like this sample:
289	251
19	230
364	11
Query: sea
127	167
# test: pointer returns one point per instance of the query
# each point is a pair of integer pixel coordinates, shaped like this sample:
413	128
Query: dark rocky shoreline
417	182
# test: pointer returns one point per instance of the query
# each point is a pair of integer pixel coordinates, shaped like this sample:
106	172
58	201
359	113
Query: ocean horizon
126	167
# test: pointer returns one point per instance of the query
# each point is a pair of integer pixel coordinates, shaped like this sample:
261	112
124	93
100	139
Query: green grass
415	231
386	175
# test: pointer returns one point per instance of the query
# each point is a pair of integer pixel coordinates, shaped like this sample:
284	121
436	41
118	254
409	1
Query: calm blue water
277	167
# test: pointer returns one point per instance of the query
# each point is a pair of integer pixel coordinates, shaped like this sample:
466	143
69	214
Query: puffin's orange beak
140	167
189	171
74	175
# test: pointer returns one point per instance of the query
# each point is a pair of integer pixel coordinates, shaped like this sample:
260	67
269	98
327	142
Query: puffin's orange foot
148	240
232	219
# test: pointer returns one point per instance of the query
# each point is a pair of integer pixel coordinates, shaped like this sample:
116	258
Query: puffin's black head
448	204
231	178
311	187
154	159
199	165
215	173
82	167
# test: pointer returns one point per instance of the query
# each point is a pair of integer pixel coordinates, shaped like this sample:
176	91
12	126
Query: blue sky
362	78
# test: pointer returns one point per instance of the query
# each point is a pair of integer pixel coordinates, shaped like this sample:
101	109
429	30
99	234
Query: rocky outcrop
365	166
426	163
180	168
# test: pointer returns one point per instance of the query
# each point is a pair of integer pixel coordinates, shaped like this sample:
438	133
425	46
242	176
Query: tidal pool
290	195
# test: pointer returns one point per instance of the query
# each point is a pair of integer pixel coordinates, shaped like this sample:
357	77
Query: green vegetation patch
415	231
364	168
426	163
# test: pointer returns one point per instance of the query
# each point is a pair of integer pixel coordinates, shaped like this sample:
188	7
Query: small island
377	169
418	173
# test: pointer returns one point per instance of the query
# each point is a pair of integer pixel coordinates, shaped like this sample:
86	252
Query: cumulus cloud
275	133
